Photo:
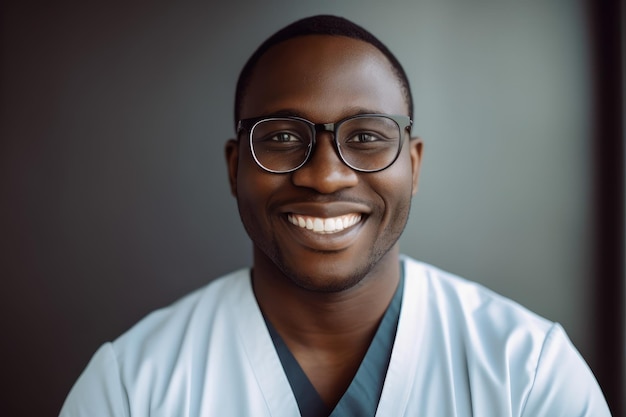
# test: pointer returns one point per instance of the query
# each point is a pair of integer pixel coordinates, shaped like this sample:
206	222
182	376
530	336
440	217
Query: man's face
323	79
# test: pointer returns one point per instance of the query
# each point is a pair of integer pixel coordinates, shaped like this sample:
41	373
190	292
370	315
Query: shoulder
169	326
514	361
162	359
469	303
488	329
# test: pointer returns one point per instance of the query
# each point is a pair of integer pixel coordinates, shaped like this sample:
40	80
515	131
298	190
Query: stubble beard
336	284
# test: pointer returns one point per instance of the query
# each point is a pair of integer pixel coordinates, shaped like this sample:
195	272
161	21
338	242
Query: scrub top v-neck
362	396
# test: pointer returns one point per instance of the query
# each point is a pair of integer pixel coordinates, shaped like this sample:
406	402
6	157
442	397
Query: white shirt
460	350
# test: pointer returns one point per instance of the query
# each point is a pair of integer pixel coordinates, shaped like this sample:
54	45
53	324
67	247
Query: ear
232	162
416	145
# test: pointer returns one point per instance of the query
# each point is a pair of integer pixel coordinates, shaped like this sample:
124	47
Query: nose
325	172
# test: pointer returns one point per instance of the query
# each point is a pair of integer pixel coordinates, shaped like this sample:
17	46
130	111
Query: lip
314	238
325	209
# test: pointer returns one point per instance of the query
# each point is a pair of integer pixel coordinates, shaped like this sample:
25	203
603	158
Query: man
331	319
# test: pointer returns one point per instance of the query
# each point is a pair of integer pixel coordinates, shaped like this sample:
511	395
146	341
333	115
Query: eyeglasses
365	142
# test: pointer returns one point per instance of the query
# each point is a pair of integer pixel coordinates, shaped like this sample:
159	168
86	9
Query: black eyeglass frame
403	122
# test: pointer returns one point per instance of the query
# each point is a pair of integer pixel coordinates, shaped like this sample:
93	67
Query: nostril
324	176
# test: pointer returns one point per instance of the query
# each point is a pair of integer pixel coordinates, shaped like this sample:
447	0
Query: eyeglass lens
365	143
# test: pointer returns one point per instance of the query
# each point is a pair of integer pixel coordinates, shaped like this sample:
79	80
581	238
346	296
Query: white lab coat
460	350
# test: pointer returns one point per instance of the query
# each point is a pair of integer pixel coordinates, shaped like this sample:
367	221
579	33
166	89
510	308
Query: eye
283	137
363	137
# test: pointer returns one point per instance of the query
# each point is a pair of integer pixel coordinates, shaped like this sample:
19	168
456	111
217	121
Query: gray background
114	190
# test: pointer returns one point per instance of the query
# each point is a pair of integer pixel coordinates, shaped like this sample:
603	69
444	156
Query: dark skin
324	293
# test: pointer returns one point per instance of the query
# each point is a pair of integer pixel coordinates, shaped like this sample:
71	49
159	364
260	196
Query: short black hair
320	25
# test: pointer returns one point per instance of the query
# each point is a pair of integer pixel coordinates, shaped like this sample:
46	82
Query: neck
309	319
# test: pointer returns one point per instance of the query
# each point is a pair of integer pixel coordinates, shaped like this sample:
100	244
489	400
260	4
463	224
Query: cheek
395	188
251	201
255	186
396	183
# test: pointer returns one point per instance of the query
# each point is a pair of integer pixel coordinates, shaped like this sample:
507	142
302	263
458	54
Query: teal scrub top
362	396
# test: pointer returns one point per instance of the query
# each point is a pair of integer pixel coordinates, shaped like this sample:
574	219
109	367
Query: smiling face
324	227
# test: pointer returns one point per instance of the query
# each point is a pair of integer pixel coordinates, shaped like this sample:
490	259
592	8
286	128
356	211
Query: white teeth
324	225
329	225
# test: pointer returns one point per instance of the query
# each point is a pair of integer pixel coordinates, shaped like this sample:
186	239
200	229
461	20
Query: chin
326	277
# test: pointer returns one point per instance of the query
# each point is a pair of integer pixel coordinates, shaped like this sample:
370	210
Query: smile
324	225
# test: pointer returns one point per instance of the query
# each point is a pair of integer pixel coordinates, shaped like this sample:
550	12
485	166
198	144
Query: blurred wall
114	190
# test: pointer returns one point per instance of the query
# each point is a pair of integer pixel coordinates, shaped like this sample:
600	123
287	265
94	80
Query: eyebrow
351	111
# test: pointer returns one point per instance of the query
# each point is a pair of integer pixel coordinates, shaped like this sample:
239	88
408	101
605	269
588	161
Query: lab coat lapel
405	355
262	356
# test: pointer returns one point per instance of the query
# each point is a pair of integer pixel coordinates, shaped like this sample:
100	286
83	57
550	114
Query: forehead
323	78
